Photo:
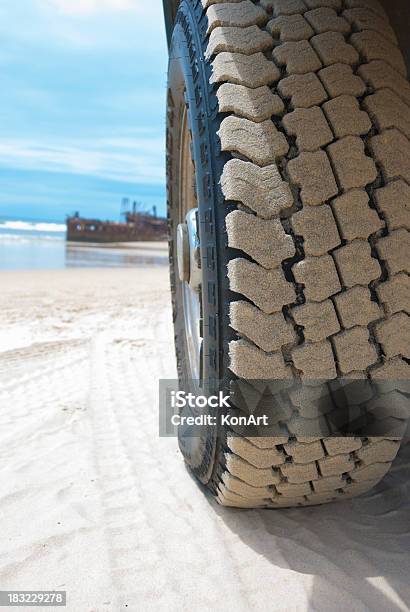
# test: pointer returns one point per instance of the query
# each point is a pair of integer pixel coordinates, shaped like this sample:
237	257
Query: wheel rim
188	254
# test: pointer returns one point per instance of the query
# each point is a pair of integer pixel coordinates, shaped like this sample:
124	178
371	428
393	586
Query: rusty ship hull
137	228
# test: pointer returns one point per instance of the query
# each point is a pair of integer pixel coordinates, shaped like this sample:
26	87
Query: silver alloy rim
190	276
188	254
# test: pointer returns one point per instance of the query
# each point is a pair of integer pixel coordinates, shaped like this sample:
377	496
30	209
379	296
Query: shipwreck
138	226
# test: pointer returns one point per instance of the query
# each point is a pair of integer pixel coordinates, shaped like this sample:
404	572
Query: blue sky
82	106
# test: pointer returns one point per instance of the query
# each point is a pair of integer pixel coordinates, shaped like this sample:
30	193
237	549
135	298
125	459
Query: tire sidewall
188	87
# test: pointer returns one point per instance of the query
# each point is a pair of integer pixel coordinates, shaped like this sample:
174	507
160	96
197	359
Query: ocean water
31	245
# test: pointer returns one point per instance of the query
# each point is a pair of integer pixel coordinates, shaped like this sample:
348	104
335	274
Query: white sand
93	502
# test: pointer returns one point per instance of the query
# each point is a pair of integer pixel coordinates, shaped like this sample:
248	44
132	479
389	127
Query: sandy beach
93	502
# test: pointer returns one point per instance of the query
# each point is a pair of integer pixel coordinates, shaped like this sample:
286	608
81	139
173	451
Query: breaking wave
27	226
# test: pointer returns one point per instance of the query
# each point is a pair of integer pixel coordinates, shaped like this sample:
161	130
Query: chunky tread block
365	19
259	457
388	111
346	118
238	40
354	350
385	148
396	371
315	361
226	498
383	451
310	127
257	105
323	498
352	166
339	80
288	7
257	477
260	189
356	265
327	20
394	250
394	202
332	48
339	446
273	244
319	320
303	453
394	294
298	57
249	70
261	143
379	75
354	216
318	228
313	173
319	276
373	46
373	5
394	335
312	402
354	394
335	466
356	307
299	473
307	429
251	363
268	441
234	485
304	90
288	28
237	14
286	489
330	483
268	332
268	289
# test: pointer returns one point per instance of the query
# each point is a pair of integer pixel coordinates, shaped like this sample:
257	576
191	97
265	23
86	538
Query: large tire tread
316	115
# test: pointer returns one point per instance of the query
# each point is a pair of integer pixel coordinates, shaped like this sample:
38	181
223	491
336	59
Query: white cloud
135	160
87	7
87	24
82	24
